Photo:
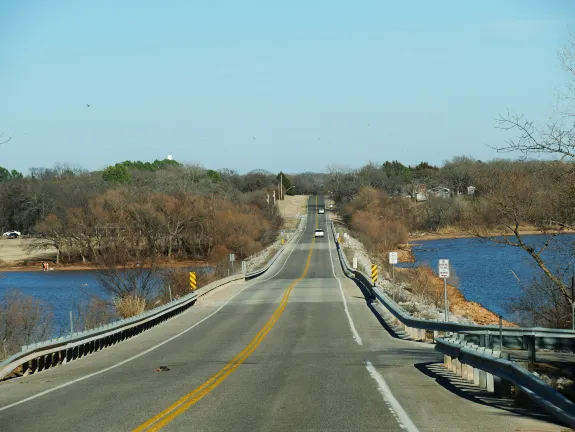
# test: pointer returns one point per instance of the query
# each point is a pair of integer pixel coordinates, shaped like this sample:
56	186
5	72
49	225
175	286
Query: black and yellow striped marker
193	283
374	273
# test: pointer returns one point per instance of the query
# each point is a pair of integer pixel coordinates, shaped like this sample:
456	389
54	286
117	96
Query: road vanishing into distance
297	349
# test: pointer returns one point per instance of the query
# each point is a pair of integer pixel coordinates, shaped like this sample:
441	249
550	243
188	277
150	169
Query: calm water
485	270
62	291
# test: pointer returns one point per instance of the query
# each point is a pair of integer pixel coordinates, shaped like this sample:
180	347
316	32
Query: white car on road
318	233
321	211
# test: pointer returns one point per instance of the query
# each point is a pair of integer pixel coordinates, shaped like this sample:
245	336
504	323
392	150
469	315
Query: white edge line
356	335
123	362
400	414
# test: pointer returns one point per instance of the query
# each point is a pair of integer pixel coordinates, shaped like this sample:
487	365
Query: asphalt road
295	350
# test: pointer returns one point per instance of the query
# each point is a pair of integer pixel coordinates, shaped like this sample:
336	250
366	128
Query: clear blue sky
315	82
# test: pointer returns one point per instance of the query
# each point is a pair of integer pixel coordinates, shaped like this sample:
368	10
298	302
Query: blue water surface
493	274
61	291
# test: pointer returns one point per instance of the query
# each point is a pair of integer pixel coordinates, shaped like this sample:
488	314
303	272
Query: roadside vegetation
499	201
140	225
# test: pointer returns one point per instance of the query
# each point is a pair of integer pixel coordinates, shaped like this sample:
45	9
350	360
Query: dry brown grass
130	306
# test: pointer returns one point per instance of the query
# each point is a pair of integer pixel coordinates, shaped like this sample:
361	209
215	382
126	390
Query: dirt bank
458	304
425	284
37	266
454	233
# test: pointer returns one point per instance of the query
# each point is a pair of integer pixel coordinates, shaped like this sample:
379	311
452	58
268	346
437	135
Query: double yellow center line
185	402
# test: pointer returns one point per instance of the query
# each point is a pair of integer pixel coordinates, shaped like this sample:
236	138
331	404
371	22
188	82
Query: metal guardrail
443	326
259	272
477	358
54	352
47	354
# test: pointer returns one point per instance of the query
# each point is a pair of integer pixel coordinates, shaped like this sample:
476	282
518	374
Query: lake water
486	270
61	291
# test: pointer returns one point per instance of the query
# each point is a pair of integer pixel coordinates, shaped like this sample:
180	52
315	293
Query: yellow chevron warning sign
193	284
374	273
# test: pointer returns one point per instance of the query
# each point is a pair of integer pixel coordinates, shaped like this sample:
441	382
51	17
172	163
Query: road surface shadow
469	391
395	331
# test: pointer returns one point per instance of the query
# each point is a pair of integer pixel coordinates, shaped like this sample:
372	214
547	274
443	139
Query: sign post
354	262
393	262
232	259
573	302
444	274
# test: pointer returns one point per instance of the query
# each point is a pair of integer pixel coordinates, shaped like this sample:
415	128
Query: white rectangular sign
393	257
232	257
444	268
355	263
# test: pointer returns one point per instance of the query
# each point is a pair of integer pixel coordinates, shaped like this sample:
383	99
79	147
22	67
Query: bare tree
557	138
516	200
23	320
4	140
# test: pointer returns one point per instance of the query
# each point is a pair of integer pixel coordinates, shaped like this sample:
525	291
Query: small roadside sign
355	263
232	257
374	273
444	268
393	257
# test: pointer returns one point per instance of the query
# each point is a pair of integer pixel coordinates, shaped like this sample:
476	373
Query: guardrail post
489	340
33	366
489	382
502	387
467	368
481	375
458	371
529	345
25	369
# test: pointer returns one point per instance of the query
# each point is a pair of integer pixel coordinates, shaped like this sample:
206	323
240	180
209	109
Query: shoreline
459	304
37	266
452	235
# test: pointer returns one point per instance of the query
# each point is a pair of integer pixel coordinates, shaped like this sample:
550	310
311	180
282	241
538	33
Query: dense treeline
162	208
509	198
538	193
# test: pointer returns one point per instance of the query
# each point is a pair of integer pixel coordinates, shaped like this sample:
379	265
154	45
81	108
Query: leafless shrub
23	320
94	313
542	304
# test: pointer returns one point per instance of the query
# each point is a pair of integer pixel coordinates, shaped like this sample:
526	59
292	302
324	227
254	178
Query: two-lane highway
297	350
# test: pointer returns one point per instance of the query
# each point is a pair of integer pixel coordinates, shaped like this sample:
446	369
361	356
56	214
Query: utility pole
281	186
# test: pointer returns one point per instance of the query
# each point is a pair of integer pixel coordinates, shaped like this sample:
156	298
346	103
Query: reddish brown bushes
372	216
